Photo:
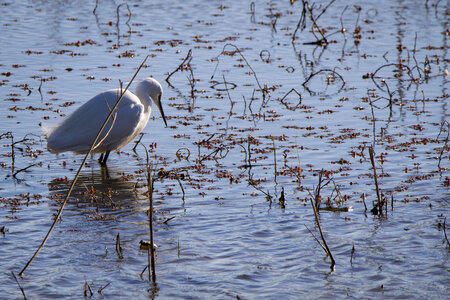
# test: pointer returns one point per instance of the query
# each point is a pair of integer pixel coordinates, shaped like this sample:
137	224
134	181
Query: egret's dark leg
100	158
103	162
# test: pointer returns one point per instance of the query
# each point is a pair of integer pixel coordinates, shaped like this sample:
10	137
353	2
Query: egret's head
152	88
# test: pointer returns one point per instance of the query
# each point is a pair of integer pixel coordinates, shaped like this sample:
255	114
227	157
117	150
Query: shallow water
226	235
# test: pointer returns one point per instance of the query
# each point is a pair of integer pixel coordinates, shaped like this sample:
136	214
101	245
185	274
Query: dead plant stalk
372	160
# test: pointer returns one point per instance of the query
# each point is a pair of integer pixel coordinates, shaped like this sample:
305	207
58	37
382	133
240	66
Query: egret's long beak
158	104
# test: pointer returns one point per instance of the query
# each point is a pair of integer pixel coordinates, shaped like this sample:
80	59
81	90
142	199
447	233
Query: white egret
77	132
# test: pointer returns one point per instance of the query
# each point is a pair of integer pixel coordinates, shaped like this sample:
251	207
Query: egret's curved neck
143	94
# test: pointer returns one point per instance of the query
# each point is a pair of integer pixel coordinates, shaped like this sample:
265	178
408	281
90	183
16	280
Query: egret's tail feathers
47	129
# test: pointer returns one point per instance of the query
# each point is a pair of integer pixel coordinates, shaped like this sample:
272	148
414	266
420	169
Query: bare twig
320	71
117	12
119	247
138	141
317	240
151	249
301	22
282	199
274	160
23	169
87	288
372	160
445	233
23	292
328	251
263	90
446	142
100	290
95	8
58	216
228	94
352	253
299	99
150	217
181	66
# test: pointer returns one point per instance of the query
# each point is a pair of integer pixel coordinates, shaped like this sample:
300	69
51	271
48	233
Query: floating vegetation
271	108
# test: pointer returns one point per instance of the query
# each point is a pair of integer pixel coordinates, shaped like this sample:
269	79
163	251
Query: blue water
223	238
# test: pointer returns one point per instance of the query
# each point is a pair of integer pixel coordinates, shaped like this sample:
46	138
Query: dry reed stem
188	56
72	185
95	8
87	288
372	160
317	240
328	251
119	247
274	160
446	141
150	216
21	289
151	249
352	253
445	234
100	290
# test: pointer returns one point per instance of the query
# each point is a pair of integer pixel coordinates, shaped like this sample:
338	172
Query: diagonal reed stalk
325	245
58	216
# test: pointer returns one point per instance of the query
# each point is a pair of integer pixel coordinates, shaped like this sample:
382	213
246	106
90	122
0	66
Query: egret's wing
78	131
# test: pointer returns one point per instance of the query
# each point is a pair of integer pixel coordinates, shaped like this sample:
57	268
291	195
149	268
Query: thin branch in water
320	71
317	240
151	249
380	204
445	234
181	186
323	41
274	160
117	12
72	185
352	253
252	12
138	141
446	142
328	251
301	22
282	200
100	290
299	99
150	217
23	292
228	94
23	169
119	247
181	66
363	197
263	90
95	8
86	289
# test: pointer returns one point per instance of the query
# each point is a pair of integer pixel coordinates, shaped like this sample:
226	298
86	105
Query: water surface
225	235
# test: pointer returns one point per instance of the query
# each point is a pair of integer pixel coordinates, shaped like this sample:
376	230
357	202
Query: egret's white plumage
77	132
